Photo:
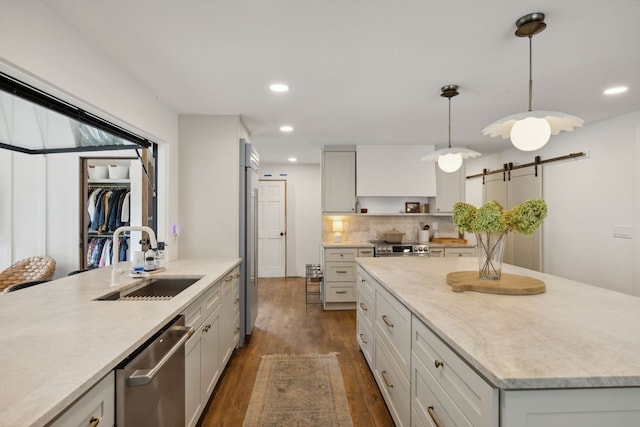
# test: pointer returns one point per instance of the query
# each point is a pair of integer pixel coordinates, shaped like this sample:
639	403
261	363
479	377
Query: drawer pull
384	378
363	280
384	318
93	422
341	271
362	339
459	254
341	292
364	306
438	363
432	414
228	278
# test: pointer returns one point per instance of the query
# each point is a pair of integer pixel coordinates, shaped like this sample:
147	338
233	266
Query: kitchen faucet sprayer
115	247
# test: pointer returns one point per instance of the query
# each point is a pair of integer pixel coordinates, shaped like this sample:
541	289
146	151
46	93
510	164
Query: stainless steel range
382	248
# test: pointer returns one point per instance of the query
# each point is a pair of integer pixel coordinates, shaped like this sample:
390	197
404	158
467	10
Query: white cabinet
451	252
202	367
395	170
387	350
95	407
449	190
339	181
340	271
228	328
444	387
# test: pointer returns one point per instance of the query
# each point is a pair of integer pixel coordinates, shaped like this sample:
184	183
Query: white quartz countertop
347	245
56	341
572	336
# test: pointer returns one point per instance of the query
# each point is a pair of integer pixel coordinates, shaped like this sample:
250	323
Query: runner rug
298	390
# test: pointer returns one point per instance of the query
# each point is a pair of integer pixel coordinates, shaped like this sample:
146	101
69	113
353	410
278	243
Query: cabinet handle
341	292
362	339
438	363
384	318
363	280
237	300
364	306
432	414
93	422
459	254
228	278
384	378
436	251
341	271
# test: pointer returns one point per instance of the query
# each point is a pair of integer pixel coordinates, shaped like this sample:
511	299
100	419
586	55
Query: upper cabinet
449	189
339	180
395	171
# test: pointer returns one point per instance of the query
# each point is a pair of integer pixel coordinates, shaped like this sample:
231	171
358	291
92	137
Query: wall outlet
623	231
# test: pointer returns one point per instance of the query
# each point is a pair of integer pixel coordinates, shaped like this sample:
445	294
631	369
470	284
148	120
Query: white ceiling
368	71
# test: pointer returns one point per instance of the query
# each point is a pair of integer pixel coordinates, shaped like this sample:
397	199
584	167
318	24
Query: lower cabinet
423	382
445	391
215	318
339	290
95	407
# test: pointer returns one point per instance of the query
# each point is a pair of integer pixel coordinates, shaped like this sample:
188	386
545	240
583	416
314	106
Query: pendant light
450	159
531	130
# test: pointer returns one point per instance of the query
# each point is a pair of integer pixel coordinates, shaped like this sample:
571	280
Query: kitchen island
57	341
569	356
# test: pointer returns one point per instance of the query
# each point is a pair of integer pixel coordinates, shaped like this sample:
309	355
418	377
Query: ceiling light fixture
616	90
293	159
531	130
286	128
279	87
450	159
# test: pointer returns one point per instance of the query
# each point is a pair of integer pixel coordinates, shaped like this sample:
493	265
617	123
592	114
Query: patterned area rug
298	390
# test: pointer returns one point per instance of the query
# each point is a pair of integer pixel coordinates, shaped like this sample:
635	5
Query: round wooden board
509	284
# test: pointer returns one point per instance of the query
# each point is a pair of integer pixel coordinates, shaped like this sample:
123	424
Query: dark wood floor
284	326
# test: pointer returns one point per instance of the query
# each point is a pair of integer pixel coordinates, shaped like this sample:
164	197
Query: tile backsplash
362	228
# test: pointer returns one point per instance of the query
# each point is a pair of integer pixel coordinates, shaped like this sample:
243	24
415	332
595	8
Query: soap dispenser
149	259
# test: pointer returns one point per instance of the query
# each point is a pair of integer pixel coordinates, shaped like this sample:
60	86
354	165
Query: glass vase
490	247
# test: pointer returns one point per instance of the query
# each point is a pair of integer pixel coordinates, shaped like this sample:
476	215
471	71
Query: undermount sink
156	289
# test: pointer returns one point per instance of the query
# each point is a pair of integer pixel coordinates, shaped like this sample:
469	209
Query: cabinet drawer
436	252
365	252
96	404
393	384
429	410
365	309
458	252
364	336
339	292
201	308
340	254
456	382
393	323
338	271
366	283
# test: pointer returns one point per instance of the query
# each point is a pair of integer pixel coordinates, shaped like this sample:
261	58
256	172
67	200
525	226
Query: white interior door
272	228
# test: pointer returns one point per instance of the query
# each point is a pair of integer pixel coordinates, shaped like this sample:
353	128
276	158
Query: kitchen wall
304	204
41	49
586	199
365	227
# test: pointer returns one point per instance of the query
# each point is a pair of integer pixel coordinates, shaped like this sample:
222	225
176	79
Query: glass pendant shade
530	134
450	162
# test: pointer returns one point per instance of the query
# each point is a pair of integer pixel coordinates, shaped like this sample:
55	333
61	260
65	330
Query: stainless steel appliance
150	382
249	162
382	248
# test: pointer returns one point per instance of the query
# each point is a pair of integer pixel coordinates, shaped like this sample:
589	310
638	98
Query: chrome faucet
115	247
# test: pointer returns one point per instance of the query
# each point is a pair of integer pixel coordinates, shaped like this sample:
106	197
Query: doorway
272	228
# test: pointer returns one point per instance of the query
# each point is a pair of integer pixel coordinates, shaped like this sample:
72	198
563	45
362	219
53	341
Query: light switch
622	231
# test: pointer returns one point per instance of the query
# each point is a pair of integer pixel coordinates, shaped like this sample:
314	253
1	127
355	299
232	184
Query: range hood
34	122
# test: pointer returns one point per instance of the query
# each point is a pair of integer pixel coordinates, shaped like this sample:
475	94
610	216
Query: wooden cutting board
509	284
448	241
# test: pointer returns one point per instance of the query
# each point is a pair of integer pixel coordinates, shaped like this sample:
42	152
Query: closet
114	192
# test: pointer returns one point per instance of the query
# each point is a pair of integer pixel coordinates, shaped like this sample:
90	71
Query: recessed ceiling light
279	87
286	128
616	90
293	159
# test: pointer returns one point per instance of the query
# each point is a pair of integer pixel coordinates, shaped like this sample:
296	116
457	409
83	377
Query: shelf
109	181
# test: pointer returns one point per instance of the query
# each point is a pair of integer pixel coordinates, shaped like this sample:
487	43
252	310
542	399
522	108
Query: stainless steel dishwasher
150	382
